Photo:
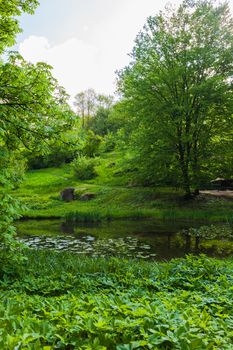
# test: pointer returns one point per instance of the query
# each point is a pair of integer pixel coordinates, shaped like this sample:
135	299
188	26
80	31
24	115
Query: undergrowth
59	301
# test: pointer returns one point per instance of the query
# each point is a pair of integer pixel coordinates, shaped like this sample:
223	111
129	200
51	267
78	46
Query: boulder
68	194
87	196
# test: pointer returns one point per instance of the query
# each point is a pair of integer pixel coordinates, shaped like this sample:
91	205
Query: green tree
9	25
104	101
33	109
85	102
99	123
178	90
88	103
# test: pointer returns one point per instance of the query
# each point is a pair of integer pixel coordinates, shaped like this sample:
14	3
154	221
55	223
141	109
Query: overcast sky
85	41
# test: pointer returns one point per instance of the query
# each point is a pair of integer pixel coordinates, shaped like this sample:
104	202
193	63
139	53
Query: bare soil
220	194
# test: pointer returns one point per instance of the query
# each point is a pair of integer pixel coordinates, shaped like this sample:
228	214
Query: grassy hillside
114	197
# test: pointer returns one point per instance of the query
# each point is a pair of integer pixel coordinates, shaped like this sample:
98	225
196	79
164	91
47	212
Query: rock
87	196
67	194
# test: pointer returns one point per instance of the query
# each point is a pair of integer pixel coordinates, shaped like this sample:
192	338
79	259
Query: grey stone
87	196
67	194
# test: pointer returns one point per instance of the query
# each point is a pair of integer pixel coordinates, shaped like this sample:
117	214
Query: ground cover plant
59	301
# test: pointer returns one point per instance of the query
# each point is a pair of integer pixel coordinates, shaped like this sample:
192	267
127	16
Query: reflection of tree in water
197	244
112	238
67	227
212	239
189	244
168	241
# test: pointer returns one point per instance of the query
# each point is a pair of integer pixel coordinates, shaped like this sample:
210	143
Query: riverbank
113	199
60	301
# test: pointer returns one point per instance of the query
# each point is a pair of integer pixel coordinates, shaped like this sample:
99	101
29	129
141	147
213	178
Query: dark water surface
147	239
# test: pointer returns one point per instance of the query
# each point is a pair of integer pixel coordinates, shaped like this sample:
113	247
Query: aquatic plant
210	232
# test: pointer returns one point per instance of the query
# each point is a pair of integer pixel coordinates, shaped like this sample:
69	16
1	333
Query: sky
85	41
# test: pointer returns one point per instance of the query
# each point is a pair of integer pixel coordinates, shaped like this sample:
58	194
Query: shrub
108	143
57	156
84	168
92	144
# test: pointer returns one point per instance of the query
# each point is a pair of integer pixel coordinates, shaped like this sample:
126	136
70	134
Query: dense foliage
178	94
87	104
84	168
33	109
9	25
63	302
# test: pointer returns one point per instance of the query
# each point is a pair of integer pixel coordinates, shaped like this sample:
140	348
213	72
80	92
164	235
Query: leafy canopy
178	91
9	25
33	108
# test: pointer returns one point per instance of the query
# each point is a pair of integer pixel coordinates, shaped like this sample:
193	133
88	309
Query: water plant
210	232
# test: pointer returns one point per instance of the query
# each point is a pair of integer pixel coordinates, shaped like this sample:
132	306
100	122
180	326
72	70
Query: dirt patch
220	194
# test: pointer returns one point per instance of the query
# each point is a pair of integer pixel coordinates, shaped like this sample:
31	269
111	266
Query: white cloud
92	62
85	28
76	65
107	36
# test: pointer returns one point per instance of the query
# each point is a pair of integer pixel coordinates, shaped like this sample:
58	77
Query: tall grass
52	262
89	216
105	215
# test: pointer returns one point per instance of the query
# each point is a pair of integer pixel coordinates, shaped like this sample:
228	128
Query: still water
159	240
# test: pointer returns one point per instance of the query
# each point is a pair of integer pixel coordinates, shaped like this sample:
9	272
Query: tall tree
178	88
33	109
105	101
88	102
9	24
85	103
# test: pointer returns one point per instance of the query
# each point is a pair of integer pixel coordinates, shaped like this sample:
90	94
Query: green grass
114	199
60	301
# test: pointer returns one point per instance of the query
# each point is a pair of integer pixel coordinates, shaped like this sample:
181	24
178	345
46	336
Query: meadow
115	197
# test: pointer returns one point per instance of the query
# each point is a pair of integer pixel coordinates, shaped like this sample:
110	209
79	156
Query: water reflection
130	239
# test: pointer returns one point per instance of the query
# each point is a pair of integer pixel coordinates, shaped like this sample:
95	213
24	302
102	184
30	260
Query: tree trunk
186	182
185	172
195	166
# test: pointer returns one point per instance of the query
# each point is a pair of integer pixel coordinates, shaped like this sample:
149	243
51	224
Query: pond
147	239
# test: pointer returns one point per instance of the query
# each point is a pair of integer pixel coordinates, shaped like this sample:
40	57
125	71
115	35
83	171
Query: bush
92	144
108	143
84	168
57	156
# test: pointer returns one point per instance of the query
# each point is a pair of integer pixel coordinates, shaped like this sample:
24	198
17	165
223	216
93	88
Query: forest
116	225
